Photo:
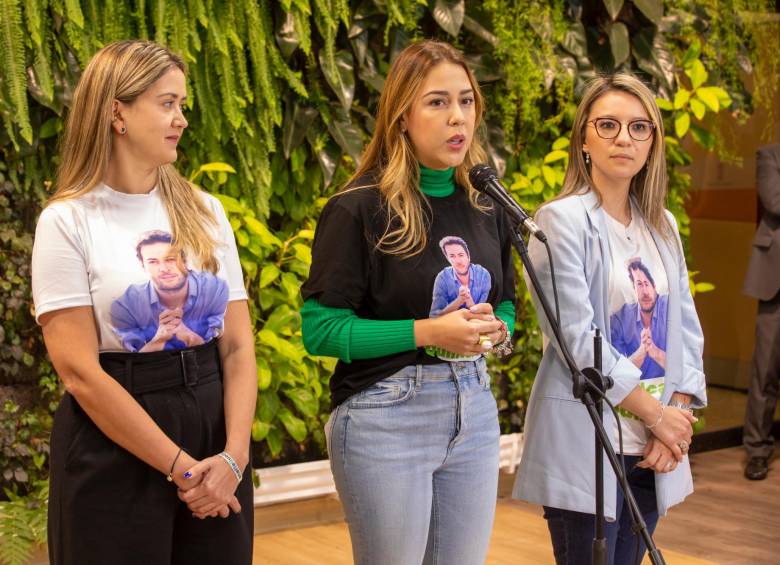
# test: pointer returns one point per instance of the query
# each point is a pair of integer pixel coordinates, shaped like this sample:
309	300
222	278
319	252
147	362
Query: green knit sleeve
339	332
506	311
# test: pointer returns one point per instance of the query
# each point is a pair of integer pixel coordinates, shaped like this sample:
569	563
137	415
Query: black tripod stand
589	386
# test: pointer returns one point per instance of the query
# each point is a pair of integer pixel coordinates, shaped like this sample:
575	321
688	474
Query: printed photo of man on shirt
176	308
463	283
638	329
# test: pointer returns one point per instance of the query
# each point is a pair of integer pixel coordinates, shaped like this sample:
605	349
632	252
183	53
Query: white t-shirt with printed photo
638	301
111	250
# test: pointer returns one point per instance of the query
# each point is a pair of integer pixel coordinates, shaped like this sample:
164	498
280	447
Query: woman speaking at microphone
411	285
620	268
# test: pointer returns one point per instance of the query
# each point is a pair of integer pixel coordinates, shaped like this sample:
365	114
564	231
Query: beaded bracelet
505	347
233	466
660	417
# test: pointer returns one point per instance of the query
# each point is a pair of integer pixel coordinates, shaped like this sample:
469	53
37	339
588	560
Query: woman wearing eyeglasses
620	268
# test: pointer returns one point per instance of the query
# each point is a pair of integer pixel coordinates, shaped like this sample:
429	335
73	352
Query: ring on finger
669	466
684	447
485	341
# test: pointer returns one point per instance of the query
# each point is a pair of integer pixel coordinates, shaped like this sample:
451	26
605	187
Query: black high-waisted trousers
106	506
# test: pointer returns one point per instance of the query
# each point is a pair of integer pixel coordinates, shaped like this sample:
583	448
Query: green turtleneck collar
437	183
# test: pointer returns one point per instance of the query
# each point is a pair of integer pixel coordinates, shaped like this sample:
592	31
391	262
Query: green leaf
697	73
681	98
549	175
302	252
652	9
263	375
664	104
50	128
259	229
654	57
619	42
709	98
681	124
704	287
697	108
561	143
613	8
269	274
294	426
274	441
230	204
339	74
692	54
268	405
260	430
724	100
554	156
348	136
211	168
703	137
305	402
297	121
474	27
449	15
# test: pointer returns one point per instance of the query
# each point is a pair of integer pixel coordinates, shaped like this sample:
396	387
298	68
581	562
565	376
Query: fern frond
73	12
160	19
198	10
12	58
32	15
139	17
42	66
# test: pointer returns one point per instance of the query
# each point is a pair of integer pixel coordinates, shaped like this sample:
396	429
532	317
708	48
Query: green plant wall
282	96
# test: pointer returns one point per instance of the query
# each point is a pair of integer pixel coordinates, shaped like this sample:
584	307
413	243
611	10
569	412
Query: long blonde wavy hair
649	185
123	71
389	156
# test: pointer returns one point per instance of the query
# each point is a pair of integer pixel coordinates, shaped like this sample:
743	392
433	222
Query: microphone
485	180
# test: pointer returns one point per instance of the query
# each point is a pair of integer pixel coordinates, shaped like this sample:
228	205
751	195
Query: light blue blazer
557	466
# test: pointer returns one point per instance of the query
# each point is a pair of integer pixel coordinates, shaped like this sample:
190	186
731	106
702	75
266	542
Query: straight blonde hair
649	185
390	158
123	71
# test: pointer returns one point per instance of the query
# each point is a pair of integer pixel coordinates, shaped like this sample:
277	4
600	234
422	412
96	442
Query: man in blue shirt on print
177	308
460	285
638	330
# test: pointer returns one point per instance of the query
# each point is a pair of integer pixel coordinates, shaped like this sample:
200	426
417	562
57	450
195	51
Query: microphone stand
588	386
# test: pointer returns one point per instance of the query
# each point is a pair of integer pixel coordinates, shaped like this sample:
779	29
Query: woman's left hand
215	492
658	457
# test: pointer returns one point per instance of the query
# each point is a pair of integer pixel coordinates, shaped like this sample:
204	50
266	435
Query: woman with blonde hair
620	268
139	291
413	437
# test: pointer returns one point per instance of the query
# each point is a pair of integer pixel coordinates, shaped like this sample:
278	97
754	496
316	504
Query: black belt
140	373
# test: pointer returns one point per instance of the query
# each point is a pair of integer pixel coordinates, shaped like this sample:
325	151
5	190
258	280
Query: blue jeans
415	461
572	532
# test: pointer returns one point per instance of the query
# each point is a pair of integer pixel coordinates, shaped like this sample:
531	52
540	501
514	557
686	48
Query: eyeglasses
608	128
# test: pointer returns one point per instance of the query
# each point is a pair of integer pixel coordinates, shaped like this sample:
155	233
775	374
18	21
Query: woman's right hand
183	464
458	331
675	428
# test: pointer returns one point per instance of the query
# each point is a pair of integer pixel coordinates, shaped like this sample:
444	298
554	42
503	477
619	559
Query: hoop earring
122	130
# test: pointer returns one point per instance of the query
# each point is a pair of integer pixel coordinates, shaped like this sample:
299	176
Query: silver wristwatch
681	406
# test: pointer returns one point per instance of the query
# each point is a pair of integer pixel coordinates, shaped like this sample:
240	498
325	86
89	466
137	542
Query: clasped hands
663	451
207	487
468	331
